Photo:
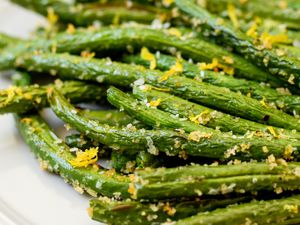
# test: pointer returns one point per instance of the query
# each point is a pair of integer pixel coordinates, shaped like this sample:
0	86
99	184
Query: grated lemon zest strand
232	15
269	40
272	131
175	69
155	103
147	55
86	158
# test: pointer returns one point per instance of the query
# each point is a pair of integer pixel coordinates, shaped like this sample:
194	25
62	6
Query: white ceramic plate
28	195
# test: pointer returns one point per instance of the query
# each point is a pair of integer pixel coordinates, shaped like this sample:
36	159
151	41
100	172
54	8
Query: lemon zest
228	59
288	152
169	210
175	32
147	55
51	16
87	54
86	158
252	31
11	93
71	29
263	102
215	65
283	4
155	103
268	40
272	131
167	3
177	68
26	120
232	15
202	118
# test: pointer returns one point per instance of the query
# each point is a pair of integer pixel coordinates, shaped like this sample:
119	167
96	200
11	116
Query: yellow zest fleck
245	147
263	102
27	96
51	16
11	93
259	134
291	208
228	59
288	152
268	40
283	4
161	89
131	188
175	69
175	32
49	91
163	17
83	159
252	31
38	100
272	131
110	173
198	135
291	79
71	29
169	210
87	54
210	66
26	120
202	118
215	65
155	103
147	55
232	15
167	3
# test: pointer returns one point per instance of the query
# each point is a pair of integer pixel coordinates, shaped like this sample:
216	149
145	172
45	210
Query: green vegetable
120	39
206	116
173	143
281	211
284	101
284	68
21	79
266	9
82	15
157	118
111	117
216	180
80	141
132	212
123	162
151	116
105	71
24	99
54	156
144	159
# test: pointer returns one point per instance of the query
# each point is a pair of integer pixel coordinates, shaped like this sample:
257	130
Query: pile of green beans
195	107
